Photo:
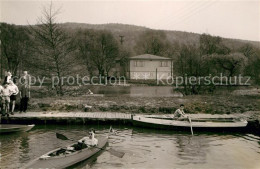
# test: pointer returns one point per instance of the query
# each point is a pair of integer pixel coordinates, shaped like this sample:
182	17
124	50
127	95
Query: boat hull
175	125
10	128
67	160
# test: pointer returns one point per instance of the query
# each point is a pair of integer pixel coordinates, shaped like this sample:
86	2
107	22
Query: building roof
149	57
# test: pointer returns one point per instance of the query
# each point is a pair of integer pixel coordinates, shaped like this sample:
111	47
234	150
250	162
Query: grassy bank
235	101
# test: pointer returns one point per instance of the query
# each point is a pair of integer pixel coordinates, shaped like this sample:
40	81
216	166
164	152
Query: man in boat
90	140
179	113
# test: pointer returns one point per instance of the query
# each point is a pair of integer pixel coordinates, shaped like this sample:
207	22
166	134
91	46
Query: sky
238	19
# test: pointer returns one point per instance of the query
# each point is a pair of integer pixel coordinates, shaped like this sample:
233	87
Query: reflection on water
135	91
24	148
143	148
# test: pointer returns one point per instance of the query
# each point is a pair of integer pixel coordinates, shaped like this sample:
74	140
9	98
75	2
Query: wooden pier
91	115
56	117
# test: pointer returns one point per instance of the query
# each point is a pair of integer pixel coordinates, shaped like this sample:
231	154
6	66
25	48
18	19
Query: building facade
149	66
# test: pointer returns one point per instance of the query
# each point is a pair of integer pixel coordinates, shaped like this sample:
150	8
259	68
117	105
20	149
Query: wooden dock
91	115
66	117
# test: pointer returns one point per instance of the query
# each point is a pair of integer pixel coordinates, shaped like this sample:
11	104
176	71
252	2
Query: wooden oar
190	125
112	151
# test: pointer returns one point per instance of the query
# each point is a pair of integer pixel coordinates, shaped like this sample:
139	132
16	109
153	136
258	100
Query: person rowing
90	140
84	142
179	114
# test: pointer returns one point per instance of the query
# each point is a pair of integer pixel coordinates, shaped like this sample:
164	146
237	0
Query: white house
149	66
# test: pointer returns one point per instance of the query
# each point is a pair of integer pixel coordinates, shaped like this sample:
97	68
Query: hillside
132	32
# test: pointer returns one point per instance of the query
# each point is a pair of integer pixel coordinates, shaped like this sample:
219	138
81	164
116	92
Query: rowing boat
183	123
67	158
10	128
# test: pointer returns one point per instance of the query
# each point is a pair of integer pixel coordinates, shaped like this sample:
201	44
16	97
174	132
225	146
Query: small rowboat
67	158
10	128
183	124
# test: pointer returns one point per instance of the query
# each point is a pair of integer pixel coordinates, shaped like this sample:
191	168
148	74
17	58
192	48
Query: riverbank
209	104
138	99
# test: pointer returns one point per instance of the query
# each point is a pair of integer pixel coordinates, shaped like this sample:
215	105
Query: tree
187	64
14	45
248	50
84	41
123	58
188	60
99	49
253	67
53	47
232	63
212	44
153	42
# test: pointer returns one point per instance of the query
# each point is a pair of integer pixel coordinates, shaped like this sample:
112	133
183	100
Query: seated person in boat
90	140
179	113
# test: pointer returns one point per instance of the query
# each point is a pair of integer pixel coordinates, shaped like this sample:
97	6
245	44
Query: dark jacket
25	91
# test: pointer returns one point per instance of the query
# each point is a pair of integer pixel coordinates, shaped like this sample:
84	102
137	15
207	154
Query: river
143	148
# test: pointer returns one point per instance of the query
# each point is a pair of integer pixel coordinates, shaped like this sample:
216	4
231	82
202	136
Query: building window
163	64
139	63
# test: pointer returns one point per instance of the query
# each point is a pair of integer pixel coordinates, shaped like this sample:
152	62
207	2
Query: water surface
143	148
136	91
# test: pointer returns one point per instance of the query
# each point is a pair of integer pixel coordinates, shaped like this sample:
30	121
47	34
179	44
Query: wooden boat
183	124
66	159
10	128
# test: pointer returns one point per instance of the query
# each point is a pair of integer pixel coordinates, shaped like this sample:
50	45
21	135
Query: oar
112	151
190	126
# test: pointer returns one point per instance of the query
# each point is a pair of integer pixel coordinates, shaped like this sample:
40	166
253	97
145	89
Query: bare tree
14	45
99	49
212	44
153	42
53	47
84	42
123	59
187	64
